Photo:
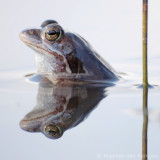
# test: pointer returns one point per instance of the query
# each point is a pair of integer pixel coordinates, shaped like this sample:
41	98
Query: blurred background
114	29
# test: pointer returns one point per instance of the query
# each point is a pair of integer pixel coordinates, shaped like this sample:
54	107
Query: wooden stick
145	42
145	80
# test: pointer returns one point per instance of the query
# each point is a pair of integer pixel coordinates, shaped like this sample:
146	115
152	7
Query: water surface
113	129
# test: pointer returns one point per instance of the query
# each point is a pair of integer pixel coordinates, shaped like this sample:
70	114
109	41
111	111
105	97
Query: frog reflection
60	107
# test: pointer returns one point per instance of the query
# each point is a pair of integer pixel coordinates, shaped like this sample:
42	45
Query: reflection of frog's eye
53	34
53	131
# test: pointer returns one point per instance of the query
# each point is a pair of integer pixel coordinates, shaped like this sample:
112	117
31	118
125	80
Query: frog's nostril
30	35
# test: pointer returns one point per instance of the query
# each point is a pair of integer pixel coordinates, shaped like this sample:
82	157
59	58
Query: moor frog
62	55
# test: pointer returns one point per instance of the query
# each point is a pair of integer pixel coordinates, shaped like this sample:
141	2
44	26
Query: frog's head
54	48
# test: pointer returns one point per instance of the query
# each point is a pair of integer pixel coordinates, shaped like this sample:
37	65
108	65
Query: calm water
113	128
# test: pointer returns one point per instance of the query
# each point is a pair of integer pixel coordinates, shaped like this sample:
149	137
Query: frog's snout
30	36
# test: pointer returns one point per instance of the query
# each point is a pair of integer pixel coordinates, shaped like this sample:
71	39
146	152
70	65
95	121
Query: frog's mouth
33	120
32	38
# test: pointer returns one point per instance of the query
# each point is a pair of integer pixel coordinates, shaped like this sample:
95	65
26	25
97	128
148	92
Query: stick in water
145	40
145	81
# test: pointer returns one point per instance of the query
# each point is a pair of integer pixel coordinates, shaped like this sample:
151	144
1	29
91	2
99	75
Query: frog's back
94	65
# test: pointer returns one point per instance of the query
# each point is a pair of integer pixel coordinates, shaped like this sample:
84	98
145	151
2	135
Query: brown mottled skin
65	56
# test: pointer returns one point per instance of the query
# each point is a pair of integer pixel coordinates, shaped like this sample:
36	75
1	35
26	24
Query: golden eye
52	34
52	131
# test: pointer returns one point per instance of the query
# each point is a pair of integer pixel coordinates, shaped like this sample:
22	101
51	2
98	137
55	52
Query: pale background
114	29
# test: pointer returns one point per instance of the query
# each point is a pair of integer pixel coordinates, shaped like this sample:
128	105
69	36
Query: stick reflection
145	123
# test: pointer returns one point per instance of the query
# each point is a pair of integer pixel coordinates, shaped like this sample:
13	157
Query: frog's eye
53	33
53	131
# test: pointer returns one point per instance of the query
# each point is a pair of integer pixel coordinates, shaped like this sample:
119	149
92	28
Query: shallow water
112	130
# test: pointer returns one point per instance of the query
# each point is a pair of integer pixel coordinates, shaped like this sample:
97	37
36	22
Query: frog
60	107
64	56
